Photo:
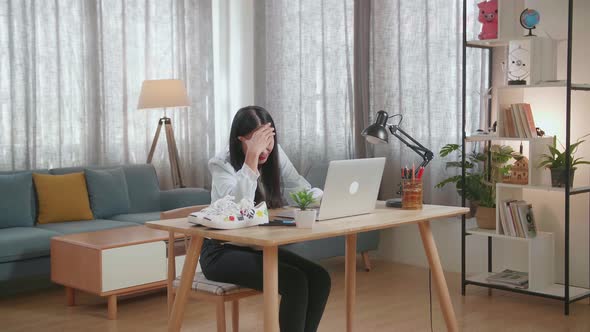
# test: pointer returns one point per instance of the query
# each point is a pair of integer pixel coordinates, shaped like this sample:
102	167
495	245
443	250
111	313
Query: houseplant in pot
304	217
556	163
481	175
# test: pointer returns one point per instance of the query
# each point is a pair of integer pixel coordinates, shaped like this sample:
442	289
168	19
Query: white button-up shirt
243	183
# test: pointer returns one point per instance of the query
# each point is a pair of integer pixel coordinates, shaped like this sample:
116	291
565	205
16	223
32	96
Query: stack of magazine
510	278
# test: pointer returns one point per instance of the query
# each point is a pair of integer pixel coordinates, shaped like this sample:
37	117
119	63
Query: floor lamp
164	94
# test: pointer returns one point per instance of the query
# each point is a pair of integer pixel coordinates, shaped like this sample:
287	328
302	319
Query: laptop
351	188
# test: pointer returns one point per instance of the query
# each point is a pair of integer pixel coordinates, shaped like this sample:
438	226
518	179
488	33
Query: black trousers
304	286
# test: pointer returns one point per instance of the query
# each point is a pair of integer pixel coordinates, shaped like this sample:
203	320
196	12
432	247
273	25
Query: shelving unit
541	249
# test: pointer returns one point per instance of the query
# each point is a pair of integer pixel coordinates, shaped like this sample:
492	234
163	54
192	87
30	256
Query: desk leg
350	280
271	289
186	280
438	276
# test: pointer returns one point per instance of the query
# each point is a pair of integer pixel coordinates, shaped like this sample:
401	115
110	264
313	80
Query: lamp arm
420	149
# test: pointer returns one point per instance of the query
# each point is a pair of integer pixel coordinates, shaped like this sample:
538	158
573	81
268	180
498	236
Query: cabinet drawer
133	265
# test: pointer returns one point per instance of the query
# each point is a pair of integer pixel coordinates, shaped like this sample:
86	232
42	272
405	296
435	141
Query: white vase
305	218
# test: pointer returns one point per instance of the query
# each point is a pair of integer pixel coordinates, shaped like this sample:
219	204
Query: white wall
403	245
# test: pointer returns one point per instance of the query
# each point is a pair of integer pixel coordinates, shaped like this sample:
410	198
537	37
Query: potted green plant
556	163
304	217
481	176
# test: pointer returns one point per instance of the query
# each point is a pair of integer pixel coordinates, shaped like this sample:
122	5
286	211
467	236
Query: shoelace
227	206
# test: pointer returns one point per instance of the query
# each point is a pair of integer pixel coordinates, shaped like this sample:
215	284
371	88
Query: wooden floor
392	297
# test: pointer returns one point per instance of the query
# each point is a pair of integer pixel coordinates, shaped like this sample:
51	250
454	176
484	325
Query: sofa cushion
16	206
18	243
139	218
62	198
84	226
143	187
107	191
34	196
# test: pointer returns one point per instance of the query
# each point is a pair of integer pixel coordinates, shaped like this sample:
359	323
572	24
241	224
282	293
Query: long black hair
246	120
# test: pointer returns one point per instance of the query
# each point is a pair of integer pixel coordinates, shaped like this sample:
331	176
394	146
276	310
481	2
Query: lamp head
163	93
377	132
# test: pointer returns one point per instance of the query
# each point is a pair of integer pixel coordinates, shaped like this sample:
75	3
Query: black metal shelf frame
566	298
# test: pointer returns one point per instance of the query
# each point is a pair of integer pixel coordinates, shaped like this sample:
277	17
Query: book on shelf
517	121
524	122
530	120
517	219
510	278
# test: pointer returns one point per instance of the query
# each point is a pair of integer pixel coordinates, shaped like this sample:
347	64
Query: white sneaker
225	213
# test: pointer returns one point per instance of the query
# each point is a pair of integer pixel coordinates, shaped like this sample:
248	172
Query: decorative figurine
488	16
519	172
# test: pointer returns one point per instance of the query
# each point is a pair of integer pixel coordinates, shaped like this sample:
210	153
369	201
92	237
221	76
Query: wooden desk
271	237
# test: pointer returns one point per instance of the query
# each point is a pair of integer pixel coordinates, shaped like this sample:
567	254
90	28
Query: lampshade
377	132
162	93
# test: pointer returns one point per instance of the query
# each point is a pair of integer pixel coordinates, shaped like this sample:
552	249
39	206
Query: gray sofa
24	245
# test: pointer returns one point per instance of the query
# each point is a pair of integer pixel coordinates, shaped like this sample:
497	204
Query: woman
256	168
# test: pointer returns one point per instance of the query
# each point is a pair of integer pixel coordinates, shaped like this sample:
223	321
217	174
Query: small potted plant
555	162
480	180
304	217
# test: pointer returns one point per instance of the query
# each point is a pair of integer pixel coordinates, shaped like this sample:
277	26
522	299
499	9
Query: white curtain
415	54
70	76
303	58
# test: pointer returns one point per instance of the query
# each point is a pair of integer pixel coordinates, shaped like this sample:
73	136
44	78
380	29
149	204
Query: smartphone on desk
280	222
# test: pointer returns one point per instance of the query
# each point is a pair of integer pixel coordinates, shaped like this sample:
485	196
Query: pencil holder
412	194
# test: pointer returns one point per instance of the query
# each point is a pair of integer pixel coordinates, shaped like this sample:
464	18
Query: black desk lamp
377	134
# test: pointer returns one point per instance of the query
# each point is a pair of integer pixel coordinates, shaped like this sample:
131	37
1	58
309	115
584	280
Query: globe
529	18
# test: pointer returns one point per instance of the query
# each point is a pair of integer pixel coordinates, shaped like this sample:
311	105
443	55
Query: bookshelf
538	253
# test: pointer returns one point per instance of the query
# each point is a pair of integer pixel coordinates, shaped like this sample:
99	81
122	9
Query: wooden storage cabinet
113	262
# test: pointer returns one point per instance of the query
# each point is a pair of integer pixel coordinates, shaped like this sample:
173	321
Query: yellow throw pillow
62	198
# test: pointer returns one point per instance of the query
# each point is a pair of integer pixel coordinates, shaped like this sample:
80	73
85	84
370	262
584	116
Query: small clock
518	65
